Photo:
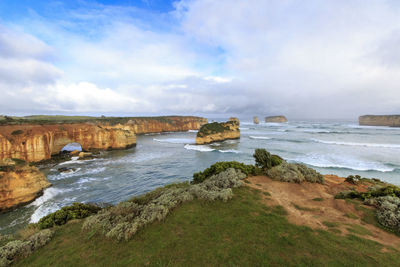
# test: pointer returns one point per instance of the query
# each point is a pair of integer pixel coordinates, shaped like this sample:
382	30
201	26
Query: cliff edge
19	183
218	131
380	120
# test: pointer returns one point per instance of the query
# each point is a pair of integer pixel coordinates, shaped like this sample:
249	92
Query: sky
306	59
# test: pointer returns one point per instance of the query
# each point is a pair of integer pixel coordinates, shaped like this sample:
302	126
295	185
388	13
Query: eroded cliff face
278	119
20	185
32	142
215	132
380	120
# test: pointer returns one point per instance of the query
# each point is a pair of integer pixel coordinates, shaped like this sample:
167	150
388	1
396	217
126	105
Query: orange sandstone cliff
19	184
36	142
214	132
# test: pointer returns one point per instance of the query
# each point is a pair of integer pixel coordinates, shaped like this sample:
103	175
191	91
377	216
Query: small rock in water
75	153
66	170
83	155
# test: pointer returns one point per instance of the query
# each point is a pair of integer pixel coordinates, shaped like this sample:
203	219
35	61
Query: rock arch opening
71	147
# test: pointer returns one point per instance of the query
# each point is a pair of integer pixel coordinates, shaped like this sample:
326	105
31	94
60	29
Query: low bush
22	248
374	192
223	166
264	159
353	179
62	216
295	173
388	212
125	219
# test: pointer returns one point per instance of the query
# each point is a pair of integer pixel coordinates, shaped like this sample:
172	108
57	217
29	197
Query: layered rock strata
36	142
278	119
380	120
215	132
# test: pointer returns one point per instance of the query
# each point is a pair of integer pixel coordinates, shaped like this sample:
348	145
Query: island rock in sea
256	120
380	120
278	119
19	183
218	131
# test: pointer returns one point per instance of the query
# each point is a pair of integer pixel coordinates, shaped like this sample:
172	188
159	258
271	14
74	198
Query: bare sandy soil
314	205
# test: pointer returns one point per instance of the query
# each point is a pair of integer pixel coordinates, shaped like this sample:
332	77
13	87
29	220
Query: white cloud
305	59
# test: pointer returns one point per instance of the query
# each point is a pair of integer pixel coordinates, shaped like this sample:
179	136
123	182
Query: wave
201	148
192	131
77	172
260	137
340	162
175	140
243	128
230	151
356	144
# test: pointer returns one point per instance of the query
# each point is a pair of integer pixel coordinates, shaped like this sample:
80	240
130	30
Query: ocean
331	147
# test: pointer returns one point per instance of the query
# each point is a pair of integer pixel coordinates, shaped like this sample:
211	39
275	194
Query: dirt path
314	205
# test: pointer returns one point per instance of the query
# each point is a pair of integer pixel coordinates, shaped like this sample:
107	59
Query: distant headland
380	120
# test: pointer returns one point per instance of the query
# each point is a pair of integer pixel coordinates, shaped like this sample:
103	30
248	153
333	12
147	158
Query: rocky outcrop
278	119
36	142
256	120
19	184
218	131
380	120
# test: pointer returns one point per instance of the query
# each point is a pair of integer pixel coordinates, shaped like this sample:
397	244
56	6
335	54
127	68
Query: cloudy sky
301	58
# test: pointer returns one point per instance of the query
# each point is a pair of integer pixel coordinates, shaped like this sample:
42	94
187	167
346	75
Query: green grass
331	224
240	232
358	229
268	194
351	215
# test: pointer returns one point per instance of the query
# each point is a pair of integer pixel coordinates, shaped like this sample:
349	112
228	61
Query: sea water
331	147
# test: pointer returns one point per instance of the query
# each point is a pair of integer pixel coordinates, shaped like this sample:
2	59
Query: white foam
192	131
230	151
201	148
85	180
356	144
243	128
259	137
48	194
175	140
336	161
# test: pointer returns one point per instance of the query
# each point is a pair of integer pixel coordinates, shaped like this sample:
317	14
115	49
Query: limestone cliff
36	142
214	132
278	119
380	120
256	120
19	184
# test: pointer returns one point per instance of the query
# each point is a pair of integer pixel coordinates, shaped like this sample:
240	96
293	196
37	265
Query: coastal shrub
374	192
353	179
125	219
265	160
223	166
62	216
295	173
388	212
212	128
22	248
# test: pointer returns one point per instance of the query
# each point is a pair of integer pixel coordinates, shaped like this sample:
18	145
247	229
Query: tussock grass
240	232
